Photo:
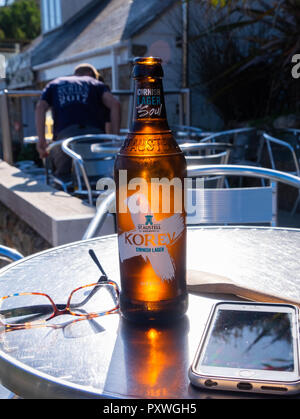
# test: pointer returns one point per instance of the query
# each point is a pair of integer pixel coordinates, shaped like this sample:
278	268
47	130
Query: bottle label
155	143
152	239
148	103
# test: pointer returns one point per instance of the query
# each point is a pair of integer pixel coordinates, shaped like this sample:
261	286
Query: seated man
79	106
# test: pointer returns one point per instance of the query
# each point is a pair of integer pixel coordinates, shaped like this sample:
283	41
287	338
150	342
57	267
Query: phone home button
246	373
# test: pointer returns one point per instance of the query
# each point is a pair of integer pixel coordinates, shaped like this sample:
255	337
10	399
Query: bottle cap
148	67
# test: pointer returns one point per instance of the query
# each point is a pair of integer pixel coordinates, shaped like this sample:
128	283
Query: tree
241	55
20	21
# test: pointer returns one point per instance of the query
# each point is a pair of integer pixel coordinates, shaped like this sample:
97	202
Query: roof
104	24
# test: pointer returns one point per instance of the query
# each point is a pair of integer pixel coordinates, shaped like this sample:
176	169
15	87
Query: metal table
109	357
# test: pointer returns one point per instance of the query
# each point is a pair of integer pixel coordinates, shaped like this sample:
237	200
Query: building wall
55	13
160	40
16	234
70	8
163	39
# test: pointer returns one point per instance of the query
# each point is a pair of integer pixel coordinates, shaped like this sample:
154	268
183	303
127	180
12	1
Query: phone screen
250	340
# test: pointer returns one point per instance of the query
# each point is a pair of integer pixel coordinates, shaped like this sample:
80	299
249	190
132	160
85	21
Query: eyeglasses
33	309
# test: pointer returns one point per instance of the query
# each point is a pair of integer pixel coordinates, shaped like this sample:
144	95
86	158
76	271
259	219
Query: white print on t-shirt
151	239
72	93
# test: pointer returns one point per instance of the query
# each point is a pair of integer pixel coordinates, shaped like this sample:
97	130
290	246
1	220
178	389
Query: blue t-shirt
76	101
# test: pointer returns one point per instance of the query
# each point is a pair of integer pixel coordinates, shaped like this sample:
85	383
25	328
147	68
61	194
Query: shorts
60	163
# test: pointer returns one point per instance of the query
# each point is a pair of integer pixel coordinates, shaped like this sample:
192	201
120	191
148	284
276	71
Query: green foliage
216	3
20	21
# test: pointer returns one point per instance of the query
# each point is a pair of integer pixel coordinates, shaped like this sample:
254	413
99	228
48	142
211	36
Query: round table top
109	357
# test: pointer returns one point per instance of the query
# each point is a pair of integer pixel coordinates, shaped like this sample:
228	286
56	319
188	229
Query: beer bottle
149	175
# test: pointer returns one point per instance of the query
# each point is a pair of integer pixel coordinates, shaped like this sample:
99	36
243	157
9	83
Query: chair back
209	181
242	139
91	166
192	148
190	133
281	153
238	204
96	164
193	155
232	206
9	254
219	158
247	205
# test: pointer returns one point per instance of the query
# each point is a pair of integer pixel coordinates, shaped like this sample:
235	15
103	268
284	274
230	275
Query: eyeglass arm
35	310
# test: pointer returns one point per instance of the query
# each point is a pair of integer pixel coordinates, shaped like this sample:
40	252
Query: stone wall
17	234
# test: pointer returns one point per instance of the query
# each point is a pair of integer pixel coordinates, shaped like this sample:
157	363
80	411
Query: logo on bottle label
148	103
151	239
158	144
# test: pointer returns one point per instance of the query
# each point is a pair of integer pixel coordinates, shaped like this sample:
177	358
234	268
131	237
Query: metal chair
9	254
274	145
186	128
187	148
204	147
272	142
186	132
234	208
50	179
210	159
100	217
215	153
291	136
287	132
237	205
239	138
90	166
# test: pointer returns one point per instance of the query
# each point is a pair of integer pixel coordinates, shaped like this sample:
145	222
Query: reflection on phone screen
250	340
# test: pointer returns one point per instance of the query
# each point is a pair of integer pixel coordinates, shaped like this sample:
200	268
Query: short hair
87	70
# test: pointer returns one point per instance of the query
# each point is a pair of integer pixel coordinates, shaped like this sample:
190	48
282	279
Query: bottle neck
149	110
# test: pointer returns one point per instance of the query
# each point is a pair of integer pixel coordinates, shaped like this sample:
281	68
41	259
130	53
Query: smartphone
249	347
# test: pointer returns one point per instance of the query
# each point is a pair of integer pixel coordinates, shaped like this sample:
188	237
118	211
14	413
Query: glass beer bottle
149	175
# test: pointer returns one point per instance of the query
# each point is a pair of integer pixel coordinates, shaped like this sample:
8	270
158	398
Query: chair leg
47	170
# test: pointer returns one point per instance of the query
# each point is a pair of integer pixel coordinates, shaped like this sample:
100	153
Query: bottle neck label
149	145
149	104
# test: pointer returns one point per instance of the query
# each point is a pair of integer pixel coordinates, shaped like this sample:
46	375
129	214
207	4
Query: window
51	13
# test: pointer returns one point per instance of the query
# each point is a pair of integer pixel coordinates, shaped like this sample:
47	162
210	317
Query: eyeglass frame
57	311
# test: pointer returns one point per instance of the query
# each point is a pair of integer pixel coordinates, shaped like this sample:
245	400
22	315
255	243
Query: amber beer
149	174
